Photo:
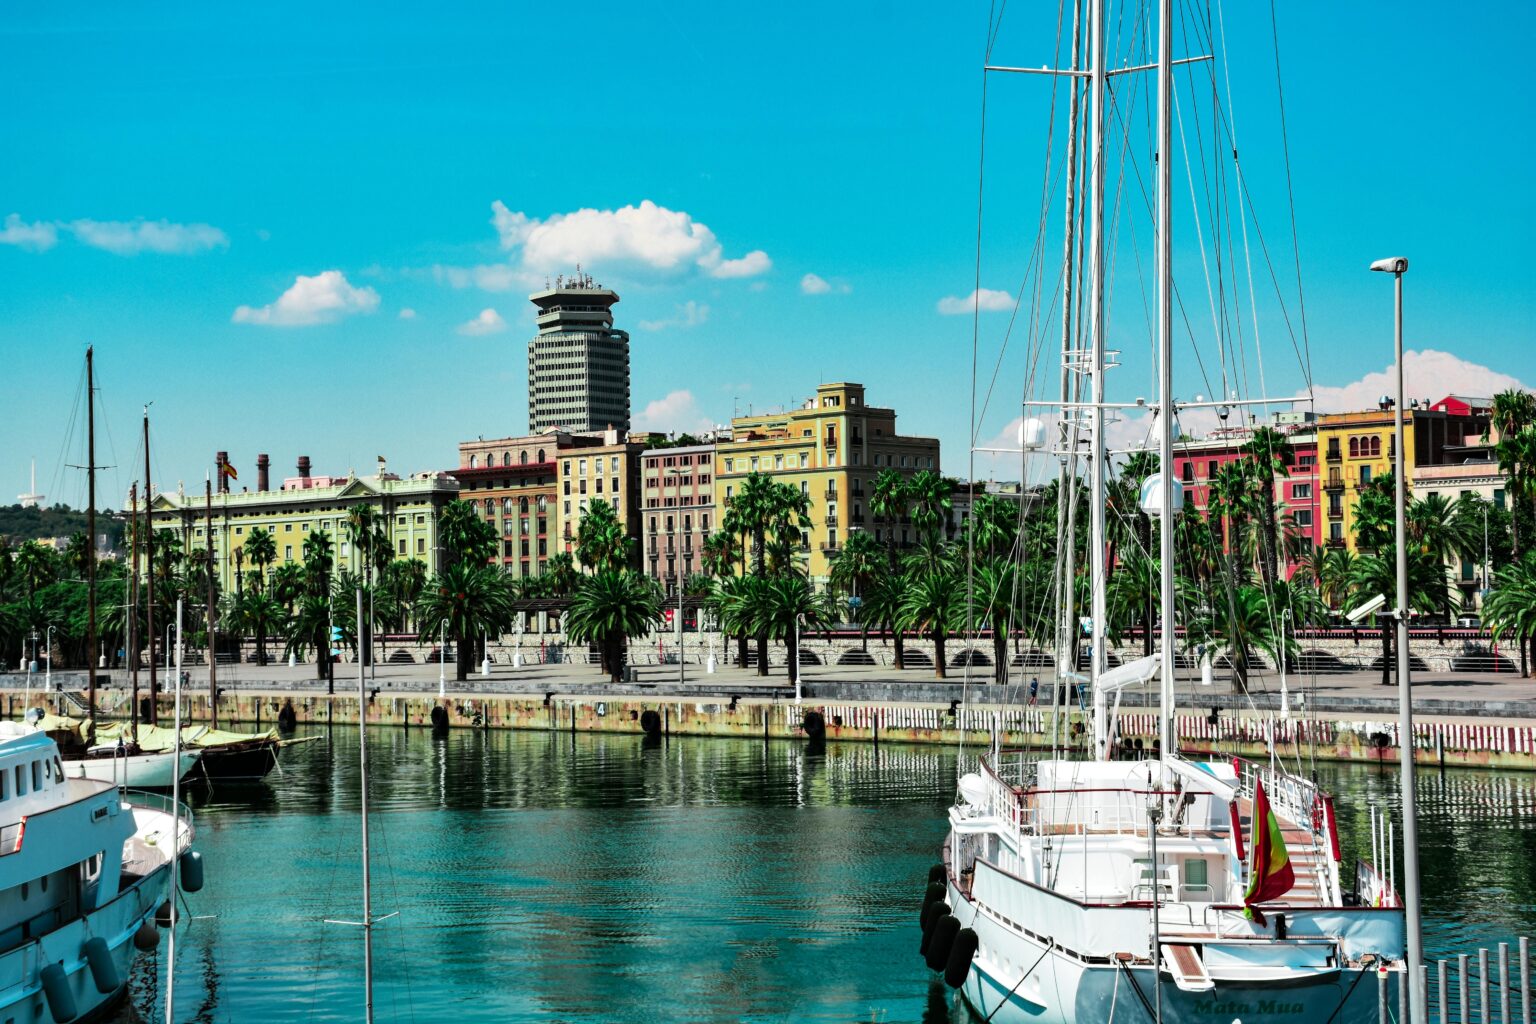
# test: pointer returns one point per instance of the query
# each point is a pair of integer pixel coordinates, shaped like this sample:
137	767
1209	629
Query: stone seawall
1504	744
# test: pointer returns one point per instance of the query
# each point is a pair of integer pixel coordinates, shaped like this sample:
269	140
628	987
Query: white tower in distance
33	500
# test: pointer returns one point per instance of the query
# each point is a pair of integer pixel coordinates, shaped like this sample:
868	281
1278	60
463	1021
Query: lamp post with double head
1397	266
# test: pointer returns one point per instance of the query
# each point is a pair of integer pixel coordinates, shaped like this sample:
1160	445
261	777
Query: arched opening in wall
808	657
1415	663
969	656
1032	658
1084	662
1256	662
913	658
856	658
401	657
1320	663
1481	659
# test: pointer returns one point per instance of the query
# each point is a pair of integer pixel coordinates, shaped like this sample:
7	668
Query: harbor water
608	878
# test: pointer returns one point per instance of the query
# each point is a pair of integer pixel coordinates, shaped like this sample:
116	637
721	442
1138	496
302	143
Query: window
288	552
1354	447
1498	497
581	467
597	467
474	460
1365	475
729	463
1335	505
1301	491
1210	469
402	545
805	460
778	462
1303	518
1335	531
541	455
1187	474
421	545
754	463
522	458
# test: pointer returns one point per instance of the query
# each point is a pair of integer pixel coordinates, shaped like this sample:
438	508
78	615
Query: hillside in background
19	524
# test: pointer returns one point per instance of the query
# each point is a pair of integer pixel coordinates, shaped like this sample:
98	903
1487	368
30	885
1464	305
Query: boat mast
149	576
1066	479
362	762
170	948
1165	409
90	529
213	659
1096	331
131	633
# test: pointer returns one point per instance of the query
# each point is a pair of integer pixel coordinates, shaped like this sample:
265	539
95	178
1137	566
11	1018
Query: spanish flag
1269	872
225	469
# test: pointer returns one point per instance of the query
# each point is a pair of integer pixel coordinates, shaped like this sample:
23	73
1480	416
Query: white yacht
82	874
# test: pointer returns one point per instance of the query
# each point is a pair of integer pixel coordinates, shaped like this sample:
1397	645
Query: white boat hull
143	771
1060	988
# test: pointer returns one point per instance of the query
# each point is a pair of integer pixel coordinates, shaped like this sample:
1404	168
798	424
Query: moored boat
82	871
224	756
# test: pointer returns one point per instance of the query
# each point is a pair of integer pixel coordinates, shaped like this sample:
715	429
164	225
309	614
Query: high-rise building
578	364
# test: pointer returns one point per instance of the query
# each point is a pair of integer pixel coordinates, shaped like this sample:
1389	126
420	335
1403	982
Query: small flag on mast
225	469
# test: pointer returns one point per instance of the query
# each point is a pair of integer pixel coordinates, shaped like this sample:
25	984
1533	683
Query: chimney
222	460
303	467
263	466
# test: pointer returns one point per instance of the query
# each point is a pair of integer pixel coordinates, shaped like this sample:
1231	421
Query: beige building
678	509
831	448
609	472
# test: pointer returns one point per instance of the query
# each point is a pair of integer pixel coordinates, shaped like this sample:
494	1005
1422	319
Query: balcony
1335	455
857	519
1335	542
858	492
831	522
829	547
831	442
1335	512
1335	481
830	494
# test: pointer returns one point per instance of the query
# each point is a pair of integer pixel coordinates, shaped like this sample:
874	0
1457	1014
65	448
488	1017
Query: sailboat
1079	891
85	756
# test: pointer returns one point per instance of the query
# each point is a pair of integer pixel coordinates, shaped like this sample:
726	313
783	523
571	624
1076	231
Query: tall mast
131	639
213	660
1066	485
149	576
90	529
362	762
1096	332
1165	360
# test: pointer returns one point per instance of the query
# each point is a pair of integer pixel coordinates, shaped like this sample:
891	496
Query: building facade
678	510
831	449
578	363
608	471
514	483
1475	476
408	508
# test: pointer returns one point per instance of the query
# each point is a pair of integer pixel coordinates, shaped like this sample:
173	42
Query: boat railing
159	802
1305	807
1007	776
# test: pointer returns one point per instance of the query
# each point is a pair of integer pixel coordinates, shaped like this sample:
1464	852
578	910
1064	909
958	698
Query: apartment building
679	512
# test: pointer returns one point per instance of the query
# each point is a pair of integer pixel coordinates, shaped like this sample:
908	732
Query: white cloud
988	300
488	322
321	299
1428	375
407	313
39	236
489	277
689	314
676	413
815	284
646	236
128	238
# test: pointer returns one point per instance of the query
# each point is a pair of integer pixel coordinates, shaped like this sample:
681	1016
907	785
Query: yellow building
606	472
831	449
1355	448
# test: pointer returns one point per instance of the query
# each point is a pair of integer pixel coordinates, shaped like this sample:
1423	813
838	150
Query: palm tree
317	578
470	600
1511	607
732	603
931	497
855	564
601	543
1270	454
776	606
997	601
256	613
993	526
1244	622
720	552
260	551
560	572
608	608
1443	528
934	603
36	565
288	583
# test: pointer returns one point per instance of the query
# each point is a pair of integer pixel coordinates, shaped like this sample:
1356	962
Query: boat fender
61	999
936	873
815	725
930	919
287	718
165	915
146	938
650	721
191	871
103	970
439	718
942	941
960	956
933	895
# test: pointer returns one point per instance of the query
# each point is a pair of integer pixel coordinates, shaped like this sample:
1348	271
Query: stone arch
970	656
401	656
1415	663
1032	658
1481	659
911	657
856	657
808	657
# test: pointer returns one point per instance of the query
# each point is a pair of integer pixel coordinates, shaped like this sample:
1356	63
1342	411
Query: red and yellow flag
1269	872
225	469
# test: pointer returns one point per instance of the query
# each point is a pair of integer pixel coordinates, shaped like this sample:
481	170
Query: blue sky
174	170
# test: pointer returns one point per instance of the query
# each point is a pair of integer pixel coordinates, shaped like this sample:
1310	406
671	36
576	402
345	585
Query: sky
312	229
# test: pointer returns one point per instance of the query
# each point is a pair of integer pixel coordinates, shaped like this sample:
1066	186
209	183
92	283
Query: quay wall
1438	740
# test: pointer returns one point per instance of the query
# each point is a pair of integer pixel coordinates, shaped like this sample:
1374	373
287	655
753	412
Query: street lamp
442	660
31	664
1397	266
48	643
677	476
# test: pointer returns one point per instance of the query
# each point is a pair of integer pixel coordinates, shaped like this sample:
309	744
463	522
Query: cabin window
21	780
37	775
58	769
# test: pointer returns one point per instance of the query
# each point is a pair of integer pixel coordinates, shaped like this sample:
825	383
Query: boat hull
143	771
21	994
244	763
1060	988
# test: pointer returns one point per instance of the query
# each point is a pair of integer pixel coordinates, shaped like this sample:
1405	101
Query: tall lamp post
48	646
677	477
1397	266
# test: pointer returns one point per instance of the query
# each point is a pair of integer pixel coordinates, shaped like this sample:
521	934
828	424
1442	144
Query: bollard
1525	980
1484	1011
1503	983
1463	996
1445	1015
1381	995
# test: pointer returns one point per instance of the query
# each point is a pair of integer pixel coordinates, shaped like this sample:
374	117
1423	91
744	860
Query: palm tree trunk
792	652
261	647
1386	655
322	652
1000	655
938	654
762	654
741	650
615	646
